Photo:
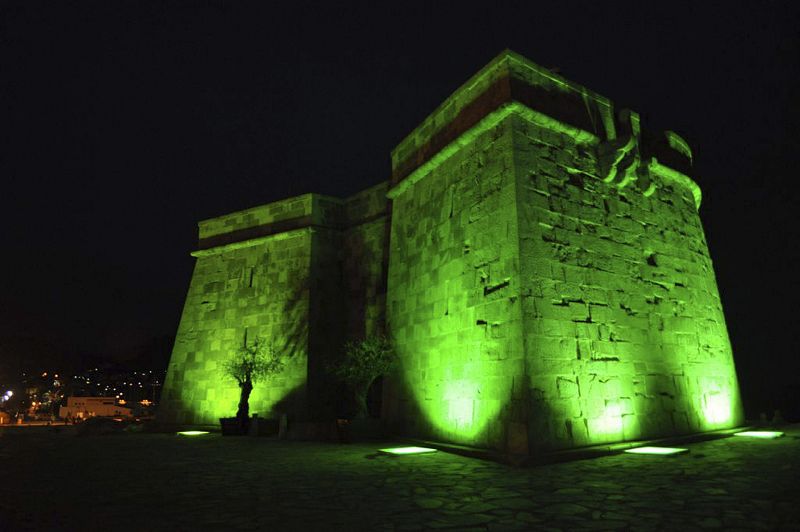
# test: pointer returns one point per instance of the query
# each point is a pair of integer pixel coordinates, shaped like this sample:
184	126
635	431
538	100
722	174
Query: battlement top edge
294	207
305	210
511	79
506	65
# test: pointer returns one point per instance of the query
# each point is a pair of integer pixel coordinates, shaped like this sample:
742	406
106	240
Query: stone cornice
512	84
509	78
249	242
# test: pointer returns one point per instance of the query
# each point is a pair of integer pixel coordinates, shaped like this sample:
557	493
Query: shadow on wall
198	392
364	272
365	278
282	394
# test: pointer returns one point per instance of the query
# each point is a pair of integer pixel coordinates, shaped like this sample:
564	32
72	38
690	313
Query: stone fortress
537	257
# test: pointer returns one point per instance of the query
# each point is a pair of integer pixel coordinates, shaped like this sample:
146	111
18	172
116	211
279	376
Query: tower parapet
512	84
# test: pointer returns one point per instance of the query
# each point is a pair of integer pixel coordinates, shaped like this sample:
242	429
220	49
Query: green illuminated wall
276	271
549	281
453	300
542	269
259	287
625	336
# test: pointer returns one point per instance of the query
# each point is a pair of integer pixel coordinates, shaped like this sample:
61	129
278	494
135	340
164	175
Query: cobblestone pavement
58	481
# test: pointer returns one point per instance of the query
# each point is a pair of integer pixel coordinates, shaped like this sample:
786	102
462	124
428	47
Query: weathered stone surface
552	276
542	269
283	282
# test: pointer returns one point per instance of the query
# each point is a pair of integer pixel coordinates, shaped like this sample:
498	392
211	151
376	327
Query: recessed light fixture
765	434
407	450
663	451
192	432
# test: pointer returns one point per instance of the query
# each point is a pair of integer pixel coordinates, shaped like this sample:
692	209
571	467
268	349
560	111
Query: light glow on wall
466	406
717	409
609	425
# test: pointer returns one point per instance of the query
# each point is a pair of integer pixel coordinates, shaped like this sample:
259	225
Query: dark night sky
124	123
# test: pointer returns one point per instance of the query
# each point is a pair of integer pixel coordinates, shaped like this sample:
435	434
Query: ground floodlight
192	432
663	451
407	450
764	434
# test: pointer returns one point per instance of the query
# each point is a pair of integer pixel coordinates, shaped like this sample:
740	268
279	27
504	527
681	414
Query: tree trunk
243	413
361	391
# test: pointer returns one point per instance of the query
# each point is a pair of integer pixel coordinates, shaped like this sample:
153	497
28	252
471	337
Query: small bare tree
361	363
250	364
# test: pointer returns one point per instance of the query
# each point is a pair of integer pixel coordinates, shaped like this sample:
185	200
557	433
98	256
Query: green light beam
662	451
407	450
763	434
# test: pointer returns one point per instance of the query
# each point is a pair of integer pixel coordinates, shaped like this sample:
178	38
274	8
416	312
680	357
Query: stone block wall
278	271
263	215
550	285
257	290
453	306
624	333
365	261
325	319
541	267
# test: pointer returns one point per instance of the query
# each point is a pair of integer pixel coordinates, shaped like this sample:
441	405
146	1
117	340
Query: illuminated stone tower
549	280
542	270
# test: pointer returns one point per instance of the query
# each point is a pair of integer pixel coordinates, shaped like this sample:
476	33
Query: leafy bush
361	363
254	362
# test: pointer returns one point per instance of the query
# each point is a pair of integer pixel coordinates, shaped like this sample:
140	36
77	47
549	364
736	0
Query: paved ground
54	481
